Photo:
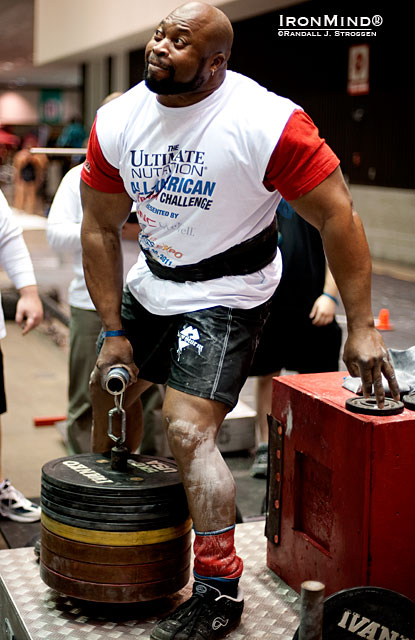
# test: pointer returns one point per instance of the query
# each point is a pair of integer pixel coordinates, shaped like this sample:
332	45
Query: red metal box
341	494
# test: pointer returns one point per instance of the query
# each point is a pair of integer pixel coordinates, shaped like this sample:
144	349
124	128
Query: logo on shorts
189	337
219	622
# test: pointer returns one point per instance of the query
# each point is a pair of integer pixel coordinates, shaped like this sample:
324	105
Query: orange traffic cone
382	322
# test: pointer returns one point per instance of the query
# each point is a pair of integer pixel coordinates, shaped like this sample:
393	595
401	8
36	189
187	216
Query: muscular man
207	154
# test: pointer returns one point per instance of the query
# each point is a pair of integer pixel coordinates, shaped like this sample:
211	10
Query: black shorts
206	353
3	405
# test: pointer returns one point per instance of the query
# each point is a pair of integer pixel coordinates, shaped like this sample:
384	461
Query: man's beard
169	86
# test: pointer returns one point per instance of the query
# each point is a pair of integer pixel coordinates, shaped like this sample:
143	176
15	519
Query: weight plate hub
368	406
367	612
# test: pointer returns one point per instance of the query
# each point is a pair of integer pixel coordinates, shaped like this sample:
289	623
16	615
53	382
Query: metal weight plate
103	573
368	406
130	536
409	401
367	612
116	555
114	593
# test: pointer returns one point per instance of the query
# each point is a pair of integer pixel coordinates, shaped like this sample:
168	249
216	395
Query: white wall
78	29
389	219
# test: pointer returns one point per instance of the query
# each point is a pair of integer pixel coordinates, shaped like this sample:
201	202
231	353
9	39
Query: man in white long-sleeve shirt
64	236
15	260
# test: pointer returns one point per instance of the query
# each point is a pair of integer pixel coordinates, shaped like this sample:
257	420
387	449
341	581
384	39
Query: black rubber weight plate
367	612
91	473
368	406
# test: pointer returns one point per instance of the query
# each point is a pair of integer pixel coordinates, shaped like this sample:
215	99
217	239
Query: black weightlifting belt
247	257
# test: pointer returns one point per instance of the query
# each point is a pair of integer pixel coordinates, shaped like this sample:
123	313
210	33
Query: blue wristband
113	334
331	297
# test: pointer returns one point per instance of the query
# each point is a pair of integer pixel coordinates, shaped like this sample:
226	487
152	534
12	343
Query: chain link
119	411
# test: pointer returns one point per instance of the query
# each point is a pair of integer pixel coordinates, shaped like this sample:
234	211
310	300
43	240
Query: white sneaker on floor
15	506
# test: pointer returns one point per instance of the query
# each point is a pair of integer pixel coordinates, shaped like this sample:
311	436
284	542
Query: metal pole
59	151
312	606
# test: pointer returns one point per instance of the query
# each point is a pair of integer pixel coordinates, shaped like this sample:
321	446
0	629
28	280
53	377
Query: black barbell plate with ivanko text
367	612
91	472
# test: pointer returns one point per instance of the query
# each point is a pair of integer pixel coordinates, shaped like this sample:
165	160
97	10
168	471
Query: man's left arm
329	208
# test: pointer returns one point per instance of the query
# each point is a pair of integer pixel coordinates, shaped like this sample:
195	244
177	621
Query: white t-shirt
197	174
14	255
64	236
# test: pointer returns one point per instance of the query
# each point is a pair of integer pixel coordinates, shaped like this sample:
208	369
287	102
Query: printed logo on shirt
143	217
174	177
159	250
189	337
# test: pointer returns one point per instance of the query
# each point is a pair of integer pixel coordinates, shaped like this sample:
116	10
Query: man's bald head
211	20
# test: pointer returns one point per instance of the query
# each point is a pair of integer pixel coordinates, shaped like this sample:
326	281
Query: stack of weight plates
111	536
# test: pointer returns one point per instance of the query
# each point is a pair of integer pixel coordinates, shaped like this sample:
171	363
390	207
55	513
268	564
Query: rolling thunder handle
117	380
116	383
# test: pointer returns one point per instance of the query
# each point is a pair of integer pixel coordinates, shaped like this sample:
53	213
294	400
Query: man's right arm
103	217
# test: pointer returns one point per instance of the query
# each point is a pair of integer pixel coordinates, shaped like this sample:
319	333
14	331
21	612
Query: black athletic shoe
207	615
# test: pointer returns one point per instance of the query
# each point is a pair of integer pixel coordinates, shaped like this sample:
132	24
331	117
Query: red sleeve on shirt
97	172
301	160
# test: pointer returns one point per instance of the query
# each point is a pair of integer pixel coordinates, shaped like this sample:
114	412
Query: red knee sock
215	554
